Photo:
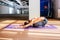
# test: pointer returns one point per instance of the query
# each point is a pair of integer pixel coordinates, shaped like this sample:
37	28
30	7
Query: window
10	10
18	12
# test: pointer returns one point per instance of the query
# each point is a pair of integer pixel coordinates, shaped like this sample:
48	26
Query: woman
36	22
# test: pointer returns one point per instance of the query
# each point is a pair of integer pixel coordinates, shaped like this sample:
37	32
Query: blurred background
14	8
20	8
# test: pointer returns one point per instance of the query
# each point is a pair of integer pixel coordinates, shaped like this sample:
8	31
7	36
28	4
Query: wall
57	8
34	8
4	10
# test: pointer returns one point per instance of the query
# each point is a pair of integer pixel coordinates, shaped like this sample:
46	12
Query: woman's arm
31	23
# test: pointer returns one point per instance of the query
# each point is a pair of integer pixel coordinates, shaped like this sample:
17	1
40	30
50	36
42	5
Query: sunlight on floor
8	32
6	39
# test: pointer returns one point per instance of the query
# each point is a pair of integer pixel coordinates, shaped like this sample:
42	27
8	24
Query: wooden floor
29	34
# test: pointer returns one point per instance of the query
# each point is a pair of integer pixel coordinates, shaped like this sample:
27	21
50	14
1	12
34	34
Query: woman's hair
25	23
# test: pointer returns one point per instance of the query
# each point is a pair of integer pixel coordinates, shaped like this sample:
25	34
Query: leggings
41	24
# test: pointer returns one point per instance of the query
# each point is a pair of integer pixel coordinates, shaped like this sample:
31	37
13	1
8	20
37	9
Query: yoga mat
17	26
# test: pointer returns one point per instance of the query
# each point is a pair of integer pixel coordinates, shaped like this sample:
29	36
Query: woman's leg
44	22
41	24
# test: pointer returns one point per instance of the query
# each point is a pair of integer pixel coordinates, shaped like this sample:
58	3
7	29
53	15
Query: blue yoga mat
17	26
